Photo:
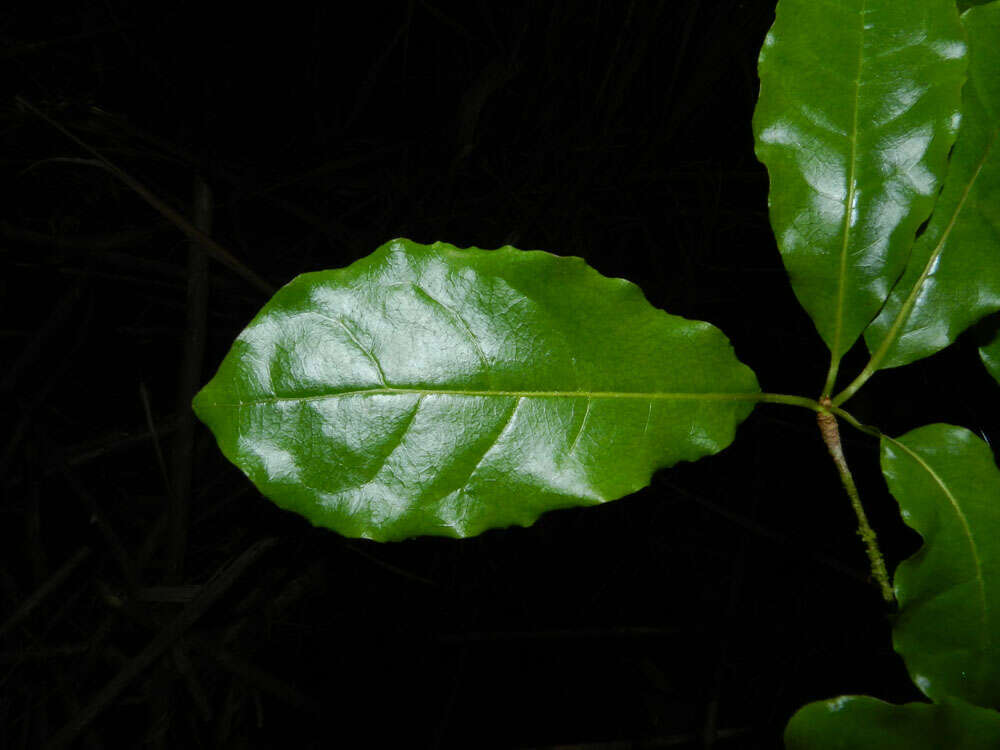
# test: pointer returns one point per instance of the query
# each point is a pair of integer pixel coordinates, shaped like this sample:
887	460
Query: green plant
433	390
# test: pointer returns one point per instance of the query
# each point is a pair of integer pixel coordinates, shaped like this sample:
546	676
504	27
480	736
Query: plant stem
781	398
855	423
831	436
860	380
831	376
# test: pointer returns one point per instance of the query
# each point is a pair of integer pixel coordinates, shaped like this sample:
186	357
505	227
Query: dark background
700	612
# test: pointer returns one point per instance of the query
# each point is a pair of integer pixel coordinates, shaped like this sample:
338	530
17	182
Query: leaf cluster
445	391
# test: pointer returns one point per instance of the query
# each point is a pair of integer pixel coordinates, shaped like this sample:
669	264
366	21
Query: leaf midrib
851	195
977	564
907	307
663	396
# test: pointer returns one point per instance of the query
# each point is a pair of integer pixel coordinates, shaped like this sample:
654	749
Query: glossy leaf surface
990	354
859	104
953	277
855	722
948	629
435	390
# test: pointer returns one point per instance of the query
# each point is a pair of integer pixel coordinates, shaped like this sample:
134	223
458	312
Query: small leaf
948	629
857	722
953	276
433	390
859	105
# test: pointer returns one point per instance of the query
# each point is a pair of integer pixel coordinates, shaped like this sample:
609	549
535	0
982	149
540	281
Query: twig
187	385
831	436
54	581
115	440
762	531
264	681
210	593
176	218
83	245
222	655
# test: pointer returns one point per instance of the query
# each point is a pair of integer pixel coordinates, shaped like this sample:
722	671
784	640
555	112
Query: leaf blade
858	107
989	353
460	390
953	277
859	722
948	488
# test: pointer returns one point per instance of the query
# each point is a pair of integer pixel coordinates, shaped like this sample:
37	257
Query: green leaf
857	722
948	629
953	277
990	354
859	105
434	390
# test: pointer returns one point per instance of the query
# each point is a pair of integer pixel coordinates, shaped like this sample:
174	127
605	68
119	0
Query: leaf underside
948	629
953	276
431	390
859	105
